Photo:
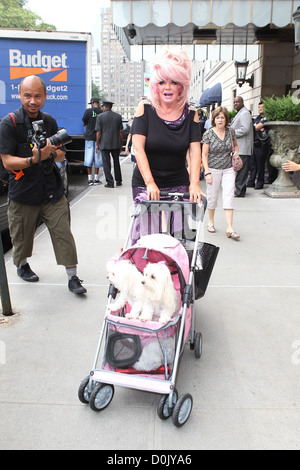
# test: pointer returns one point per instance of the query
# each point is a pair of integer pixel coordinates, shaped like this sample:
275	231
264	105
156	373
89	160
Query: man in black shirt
261	151
90	155
35	190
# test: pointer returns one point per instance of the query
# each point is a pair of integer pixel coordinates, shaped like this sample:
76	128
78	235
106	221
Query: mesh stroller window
123	350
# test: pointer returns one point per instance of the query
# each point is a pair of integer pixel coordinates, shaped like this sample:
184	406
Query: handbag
237	162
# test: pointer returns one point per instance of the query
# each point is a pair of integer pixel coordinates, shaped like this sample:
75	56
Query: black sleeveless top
166	147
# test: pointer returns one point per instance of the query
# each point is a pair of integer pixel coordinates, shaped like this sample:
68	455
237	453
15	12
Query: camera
39	136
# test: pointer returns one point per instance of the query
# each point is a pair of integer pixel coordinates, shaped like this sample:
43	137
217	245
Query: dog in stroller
151	295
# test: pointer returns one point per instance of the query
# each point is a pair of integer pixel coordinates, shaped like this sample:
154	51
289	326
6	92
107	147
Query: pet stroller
145	355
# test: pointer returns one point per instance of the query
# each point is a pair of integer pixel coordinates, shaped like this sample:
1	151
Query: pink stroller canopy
160	247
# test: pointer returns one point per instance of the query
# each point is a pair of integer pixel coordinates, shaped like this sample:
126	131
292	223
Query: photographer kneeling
36	192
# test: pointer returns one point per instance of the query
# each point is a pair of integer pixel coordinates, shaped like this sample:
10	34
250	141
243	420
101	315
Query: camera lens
60	138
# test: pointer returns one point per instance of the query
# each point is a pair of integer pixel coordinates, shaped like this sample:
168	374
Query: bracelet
29	161
206	174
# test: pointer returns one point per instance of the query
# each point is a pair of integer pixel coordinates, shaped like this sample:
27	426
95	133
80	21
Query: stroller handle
181	196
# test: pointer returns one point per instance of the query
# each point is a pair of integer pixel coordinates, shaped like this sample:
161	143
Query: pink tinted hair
171	64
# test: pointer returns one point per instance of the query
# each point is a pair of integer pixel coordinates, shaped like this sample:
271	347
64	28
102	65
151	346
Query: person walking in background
243	127
109	140
35	191
261	150
164	130
217	162
90	155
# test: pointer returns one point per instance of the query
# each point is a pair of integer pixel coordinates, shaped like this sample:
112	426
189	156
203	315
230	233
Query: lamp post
296	17
241	72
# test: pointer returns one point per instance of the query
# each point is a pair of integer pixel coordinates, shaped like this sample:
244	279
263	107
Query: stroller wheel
163	410
198	345
182	410
101	396
83	391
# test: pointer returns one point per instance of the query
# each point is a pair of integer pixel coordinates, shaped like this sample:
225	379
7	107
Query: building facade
122	81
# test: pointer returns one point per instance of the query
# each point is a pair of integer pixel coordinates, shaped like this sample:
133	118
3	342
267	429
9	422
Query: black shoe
119	183
97	182
258	187
75	286
249	185
27	274
108	185
91	183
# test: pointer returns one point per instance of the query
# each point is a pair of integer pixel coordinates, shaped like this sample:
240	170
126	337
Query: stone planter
285	140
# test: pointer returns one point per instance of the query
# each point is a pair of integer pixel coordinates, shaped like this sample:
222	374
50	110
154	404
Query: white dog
161	297
153	354
125	277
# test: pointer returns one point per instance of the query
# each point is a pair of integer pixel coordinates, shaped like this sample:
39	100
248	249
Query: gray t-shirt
219	153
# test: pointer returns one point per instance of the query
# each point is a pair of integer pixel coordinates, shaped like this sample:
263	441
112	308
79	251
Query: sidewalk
245	386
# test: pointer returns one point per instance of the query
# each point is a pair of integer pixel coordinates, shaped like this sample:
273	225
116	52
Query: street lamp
241	72
296	17
131	31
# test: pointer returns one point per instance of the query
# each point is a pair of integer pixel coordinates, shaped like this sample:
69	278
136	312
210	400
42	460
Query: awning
204	101
211	95
194	22
215	93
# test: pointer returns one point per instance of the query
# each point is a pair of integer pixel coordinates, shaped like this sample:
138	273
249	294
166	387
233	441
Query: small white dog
125	277
153	354
160	296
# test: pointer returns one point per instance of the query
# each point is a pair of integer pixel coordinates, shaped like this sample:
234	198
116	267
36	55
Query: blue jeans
90	155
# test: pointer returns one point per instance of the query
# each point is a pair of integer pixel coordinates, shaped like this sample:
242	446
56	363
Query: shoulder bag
237	162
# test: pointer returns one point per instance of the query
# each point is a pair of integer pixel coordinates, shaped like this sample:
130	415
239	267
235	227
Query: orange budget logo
23	65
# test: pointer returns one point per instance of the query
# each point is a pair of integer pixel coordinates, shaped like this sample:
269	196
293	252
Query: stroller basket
205	261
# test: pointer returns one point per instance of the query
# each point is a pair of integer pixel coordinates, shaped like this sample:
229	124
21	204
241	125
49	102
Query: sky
69	15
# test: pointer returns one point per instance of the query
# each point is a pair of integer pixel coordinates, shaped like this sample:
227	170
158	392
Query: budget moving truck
63	61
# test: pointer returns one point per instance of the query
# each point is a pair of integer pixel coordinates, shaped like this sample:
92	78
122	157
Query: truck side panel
62	66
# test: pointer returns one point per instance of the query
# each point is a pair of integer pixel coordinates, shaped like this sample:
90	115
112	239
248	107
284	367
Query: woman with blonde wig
165	129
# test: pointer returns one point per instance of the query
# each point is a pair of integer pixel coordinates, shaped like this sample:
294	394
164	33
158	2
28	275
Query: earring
178	98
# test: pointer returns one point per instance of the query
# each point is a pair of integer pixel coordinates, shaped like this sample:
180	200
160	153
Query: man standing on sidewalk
109	130
35	191
90	155
243	127
261	150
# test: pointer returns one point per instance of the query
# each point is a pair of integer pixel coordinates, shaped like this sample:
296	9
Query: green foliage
96	92
282	109
14	15
231	114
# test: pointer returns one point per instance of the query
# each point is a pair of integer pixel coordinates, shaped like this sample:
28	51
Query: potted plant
283	123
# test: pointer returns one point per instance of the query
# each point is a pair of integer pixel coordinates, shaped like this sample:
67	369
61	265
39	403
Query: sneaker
75	286
27	274
91	183
97	182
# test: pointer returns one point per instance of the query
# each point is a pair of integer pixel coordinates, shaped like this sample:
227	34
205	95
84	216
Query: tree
97	93
14	15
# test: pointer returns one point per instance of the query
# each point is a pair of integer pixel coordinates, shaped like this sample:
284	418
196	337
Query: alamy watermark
296	354
296	93
114	219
